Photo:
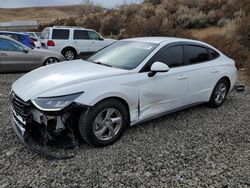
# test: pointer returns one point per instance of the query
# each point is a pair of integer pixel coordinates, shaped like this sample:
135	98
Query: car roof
158	40
13	32
9	38
65	27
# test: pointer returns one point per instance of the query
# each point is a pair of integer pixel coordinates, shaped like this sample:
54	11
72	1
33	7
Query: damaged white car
126	83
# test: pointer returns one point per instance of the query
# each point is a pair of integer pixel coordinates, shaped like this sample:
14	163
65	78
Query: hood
56	76
110	40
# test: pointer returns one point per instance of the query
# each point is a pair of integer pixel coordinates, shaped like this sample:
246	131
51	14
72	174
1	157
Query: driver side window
171	56
7	45
93	35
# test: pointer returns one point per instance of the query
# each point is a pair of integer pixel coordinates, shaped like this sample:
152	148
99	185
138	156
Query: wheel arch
227	79
45	59
69	47
120	99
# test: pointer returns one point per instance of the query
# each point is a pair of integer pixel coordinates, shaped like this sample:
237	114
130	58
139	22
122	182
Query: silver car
15	57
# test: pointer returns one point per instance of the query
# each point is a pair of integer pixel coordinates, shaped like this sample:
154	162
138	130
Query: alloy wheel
50	61
107	124
220	93
69	55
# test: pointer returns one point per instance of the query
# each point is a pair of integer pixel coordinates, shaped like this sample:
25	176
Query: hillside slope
42	14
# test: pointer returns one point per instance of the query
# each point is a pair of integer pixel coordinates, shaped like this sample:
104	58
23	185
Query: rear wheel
69	54
50	60
219	94
103	124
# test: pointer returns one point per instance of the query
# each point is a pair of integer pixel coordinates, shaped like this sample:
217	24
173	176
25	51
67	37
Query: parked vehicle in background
36	42
128	82
16	57
73	41
35	34
36	37
20	37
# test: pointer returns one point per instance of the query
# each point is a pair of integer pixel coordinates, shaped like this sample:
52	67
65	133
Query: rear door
203	72
81	41
15	58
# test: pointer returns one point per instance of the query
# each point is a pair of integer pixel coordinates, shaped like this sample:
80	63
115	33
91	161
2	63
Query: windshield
123	54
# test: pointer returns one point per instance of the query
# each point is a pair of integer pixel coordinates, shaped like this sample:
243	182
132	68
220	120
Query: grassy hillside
222	23
42	14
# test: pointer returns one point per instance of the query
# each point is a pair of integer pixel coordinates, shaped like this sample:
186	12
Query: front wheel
50	60
104	123
219	94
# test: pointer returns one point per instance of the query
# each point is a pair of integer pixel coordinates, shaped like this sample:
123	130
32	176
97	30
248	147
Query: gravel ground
198	147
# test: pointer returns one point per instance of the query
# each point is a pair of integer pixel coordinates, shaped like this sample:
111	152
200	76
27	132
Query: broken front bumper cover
23	136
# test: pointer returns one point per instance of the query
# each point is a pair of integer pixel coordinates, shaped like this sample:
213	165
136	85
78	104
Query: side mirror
101	38
158	67
25	50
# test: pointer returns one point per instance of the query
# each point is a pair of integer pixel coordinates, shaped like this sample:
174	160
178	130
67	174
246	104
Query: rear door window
60	34
196	54
81	35
213	54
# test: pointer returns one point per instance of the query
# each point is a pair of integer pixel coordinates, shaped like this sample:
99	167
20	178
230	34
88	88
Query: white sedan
126	83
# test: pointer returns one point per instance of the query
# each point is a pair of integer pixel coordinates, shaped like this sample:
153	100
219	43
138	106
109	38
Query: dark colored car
20	37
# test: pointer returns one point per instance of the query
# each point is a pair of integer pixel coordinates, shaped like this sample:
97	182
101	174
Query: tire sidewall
46	64
86	122
69	50
212	101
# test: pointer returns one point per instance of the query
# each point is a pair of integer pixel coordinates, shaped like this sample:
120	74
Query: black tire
213	102
87	125
50	61
69	54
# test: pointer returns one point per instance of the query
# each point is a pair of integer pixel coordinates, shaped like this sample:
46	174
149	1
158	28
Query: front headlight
54	103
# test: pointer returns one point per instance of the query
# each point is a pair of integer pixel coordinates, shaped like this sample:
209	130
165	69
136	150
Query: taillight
33	43
50	43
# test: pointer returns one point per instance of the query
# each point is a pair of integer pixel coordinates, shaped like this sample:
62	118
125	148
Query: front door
164	91
14	57
97	42
81	41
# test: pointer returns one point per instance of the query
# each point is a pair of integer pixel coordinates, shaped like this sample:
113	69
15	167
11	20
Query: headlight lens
54	103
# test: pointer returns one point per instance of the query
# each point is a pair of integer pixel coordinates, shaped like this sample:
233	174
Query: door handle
3	54
182	77
214	71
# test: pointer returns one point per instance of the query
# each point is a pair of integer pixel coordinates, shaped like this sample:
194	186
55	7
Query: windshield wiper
100	63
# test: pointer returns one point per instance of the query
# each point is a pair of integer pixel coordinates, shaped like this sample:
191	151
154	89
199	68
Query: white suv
72	41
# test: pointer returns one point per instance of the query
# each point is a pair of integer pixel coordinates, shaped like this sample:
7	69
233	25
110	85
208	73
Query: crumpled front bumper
24	138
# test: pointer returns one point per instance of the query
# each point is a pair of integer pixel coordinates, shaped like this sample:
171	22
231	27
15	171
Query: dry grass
42	14
203	33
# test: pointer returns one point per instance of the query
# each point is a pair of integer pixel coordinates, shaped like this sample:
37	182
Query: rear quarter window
62	34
